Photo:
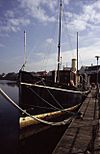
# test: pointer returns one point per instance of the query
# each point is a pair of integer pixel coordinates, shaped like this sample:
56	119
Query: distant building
66	76
91	72
42	73
9	76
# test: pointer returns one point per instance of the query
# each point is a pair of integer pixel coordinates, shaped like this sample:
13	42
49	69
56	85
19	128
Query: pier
83	134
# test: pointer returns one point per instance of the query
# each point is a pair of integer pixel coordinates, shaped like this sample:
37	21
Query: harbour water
43	142
9	119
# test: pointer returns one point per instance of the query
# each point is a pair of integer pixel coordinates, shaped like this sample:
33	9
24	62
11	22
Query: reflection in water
9	119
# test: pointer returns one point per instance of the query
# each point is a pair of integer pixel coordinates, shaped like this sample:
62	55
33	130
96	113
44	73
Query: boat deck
83	134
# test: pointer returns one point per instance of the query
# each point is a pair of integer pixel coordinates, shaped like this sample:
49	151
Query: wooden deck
83	134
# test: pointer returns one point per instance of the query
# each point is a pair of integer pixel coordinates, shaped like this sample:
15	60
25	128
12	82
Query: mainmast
59	42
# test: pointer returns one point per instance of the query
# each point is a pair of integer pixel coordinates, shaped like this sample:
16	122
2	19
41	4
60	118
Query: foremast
24	47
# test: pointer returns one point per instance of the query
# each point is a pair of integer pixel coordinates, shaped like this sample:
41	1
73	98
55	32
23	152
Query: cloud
49	40
38	9
52	5
67	1
91	13
88	18
2	45
4	35
16	22
9	14
86	54
45	62
15	18
12	22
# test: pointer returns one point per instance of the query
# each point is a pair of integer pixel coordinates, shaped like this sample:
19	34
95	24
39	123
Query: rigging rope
34	117
50	93
63	110
44	99
53	96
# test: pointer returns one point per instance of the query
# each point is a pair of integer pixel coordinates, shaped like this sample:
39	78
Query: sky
39	18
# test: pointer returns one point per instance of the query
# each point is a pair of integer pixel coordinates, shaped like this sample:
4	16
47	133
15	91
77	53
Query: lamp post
97	57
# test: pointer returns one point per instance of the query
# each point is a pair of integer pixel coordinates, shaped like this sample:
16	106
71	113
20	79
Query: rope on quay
34	117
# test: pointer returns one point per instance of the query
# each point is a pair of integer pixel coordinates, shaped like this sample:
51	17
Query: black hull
39	99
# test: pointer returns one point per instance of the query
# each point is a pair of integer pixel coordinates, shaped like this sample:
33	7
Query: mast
77	52
59	43
24	48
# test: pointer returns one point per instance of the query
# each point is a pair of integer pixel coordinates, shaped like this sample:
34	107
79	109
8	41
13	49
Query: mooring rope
33	117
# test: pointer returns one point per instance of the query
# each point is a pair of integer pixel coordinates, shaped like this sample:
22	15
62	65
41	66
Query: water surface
9	119
43	142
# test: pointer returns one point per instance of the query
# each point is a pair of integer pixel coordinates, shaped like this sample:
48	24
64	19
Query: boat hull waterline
43	99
